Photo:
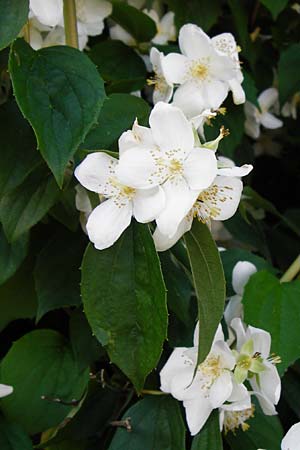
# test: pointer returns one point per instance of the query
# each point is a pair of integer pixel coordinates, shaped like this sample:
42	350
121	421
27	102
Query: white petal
222	67
82	201
241	273
189	99
91	11
238	327
261	340
163	242
214	93
239	395
266	405
220	390
36	39
219	336
200	168
170	129
117	32
175	68
139	136
227	360
226	201
233	309
162	93
95	171
193	42
235	171
48	12
197	412
137	169
268	98
252	128
270	383
268	120
179	201
180	367
291	440
238	92
148	204
5	390
107	222
225	43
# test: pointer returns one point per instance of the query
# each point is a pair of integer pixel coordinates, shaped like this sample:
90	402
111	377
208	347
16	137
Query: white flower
201	71
90	16
83	205
226	44
253	362
255	117
48	12
163	91
237	409
218	202
289	109
118	33
5	390
241	273
204	391
291	440
108	220
166	154
166	30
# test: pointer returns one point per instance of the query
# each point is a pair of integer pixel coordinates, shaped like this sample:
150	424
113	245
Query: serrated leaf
135	22
209	437
117	115
288	77
123	292
274	307
209	283
120	66
14	14
11	255
12	437
156	424
275	6
47	368
60	92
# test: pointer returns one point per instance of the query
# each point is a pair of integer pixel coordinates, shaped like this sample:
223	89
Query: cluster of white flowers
46	21
223	379
164	174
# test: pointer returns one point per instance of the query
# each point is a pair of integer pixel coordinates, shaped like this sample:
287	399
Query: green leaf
274	307
14	14
24	206
209	437
11	255
288	77
275	6
195	11
117	115
40	364
17	296
61	258
250	89
12	437
233	120
123	292
19	156
60	93
120	66
209	283
265	432
156	424
135	22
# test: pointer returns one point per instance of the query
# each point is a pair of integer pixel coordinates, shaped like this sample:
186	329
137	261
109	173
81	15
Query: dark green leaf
209	283
24	206
291	389
156	424
288	77
250	89
12	437
14	14
61	259
17	296
275	307
120	66
275	6
209	437
61	93
135	22
11	255
195	11
40	364
64	211
123	292
117	115
19	156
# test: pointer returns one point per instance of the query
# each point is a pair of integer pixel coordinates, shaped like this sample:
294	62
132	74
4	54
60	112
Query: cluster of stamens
235	419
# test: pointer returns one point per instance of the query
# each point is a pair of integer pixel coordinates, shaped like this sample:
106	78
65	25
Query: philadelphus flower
166	155
5	390
202	71
255	117
237	410
253	362
163	91
204	391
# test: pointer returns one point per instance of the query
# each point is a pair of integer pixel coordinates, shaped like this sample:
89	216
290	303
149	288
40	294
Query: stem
70	21
150	392
292	271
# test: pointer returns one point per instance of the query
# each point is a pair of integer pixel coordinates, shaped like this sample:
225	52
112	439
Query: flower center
208	203
199	70
211	368
175	167
158	82
235	419
127	191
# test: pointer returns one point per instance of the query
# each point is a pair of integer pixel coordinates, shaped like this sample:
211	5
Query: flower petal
95	171
175	68
5	390
291	440
163	242
235	171
148	204
48	12
268	120
221	389
241	273
200	168
170	129
238	92
261	340
268	98
197	412
107	222
178	366
223	197
193	42
138	137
